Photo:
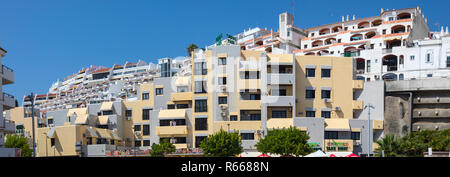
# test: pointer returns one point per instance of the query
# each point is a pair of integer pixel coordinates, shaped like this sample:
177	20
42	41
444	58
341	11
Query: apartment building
7	100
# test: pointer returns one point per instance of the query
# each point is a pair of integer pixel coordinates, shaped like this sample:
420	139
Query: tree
222	144
390	145
18	141
161	149
285	142
191	48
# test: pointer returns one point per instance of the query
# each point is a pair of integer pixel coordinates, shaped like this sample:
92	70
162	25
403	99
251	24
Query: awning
103	120
51	133
106	106
103	133
80	112
114	135
81	120
91	132
172	114
337	124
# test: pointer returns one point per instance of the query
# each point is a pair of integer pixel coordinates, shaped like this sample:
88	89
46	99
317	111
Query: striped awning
103	133
91	132
103	120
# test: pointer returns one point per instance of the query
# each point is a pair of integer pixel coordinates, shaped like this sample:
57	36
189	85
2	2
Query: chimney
382	10
446	30
347	17
442	30
343	19
354	17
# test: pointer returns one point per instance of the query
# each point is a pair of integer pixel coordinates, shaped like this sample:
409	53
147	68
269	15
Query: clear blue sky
50	39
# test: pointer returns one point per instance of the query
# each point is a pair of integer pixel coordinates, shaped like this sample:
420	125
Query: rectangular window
222	61
146	142
145	96
200	87
109	112
448	60
198	140
159	91
146	130
248	136
310	94
222	80
384	31
331	135
146	114
201	123
255	116
137	128
201	106
128	113
326	114
326	94
310	72
428	58
368	66
170	106
255	97
182	106
223	100
137	143
251	75
412	57
310	113
200	68
282	92
233	118
50	121
326	73
279	114
356	135
52	142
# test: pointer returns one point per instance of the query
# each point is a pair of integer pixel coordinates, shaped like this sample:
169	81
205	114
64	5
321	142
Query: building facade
7	101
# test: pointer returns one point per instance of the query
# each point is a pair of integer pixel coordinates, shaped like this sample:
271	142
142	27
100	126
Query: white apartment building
7	101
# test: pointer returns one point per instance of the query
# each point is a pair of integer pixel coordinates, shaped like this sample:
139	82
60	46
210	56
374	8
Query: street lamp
32	122
369	134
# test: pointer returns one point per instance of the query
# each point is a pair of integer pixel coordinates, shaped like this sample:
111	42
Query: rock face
397	115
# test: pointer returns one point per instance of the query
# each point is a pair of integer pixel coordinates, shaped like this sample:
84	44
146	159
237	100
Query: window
326	94
326	73
384	32
428	57
255	97
310	113
137	143
146	142
111	142
198	140
88	140
146	130
182	106
251	75
200	86
170	106
326	114
50	121
448	60
223	100
391	18
356	135
331	135
200	68
429	75
279	114
159	91
109	112
305	47
368	65
412	57
222	80
233	118
146	114
310	94
201	123
201	106
128	113
248	136
222	61
310	72
137	128
255	116
145	96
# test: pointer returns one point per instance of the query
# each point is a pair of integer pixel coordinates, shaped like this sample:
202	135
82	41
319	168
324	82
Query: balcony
249	84
357	105
8	101
280	123
7	75
250	104
164	131
279	100
181	96
358	84
279	78
7	125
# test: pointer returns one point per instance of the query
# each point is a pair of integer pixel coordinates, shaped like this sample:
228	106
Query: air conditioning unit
224	114
223	88
51	125
337	108
223	107
137	133
327	100
259	131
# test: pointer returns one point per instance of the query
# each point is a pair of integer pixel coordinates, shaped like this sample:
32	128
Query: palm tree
390	145
191	48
